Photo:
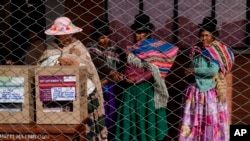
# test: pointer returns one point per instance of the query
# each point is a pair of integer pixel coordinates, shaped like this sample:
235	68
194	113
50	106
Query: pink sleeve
138	74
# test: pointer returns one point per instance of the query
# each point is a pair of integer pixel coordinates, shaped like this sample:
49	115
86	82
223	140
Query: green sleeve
211	69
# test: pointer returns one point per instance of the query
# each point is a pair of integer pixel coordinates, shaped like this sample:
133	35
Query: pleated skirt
204	118
138	119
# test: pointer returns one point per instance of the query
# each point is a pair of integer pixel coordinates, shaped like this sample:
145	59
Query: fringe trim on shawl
161	95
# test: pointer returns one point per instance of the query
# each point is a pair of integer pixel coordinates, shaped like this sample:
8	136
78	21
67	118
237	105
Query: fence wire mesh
26	115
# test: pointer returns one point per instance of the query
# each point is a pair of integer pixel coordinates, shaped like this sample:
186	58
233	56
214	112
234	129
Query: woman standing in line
107	58
205	114
142	112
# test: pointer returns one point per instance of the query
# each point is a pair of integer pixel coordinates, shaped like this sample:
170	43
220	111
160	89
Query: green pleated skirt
137	118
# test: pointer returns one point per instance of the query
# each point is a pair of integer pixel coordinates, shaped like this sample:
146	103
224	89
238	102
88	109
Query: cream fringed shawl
77	48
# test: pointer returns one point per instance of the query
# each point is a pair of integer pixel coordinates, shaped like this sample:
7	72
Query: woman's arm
211	70
103	70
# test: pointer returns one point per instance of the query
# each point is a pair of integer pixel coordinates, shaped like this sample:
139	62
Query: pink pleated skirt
204	118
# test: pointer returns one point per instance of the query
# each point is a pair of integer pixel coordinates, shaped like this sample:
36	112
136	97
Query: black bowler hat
142	23
101	28
209	24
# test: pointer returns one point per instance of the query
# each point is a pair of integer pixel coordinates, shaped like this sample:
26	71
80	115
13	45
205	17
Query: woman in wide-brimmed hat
107	58
67	50
142	112
205	113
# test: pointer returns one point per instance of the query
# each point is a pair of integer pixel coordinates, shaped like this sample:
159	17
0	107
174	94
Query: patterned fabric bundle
158	57
218	53
158	53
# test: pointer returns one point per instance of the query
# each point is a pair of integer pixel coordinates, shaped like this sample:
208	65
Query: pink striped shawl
159	53
219	53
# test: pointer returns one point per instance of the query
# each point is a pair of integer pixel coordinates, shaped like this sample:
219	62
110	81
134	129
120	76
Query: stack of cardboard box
59	96
16	95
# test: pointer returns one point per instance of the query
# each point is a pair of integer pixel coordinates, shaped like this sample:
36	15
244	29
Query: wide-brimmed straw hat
62	26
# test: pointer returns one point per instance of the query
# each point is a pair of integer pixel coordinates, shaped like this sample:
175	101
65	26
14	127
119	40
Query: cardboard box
61	95
16	95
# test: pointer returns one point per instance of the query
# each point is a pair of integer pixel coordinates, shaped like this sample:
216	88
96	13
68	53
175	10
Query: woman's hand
189	71
104	82
9	62
68	62
115	76
130	80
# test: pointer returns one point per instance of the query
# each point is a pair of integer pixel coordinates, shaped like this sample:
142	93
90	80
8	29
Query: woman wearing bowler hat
142	112
205	113
107	58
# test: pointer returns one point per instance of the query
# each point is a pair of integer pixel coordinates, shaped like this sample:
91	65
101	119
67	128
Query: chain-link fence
31	107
